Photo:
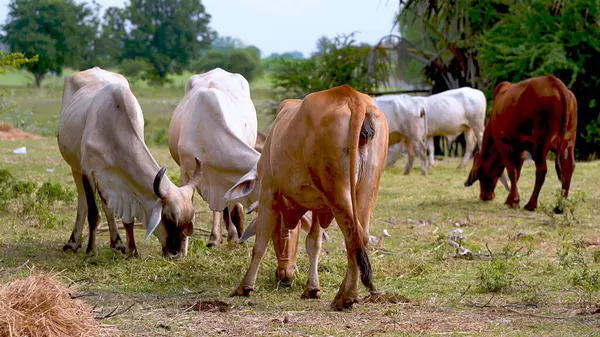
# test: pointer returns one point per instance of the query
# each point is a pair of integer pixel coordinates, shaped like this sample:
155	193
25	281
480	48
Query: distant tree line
146	39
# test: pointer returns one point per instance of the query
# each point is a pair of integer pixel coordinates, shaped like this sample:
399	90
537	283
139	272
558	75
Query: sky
288	25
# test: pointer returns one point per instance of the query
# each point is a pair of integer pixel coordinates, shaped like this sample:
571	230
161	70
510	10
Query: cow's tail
361	131
569	103
424	115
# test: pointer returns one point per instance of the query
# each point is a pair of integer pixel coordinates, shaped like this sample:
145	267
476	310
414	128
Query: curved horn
157	180
252	207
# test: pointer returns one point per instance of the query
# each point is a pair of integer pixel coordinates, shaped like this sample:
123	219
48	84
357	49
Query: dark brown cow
325	154
536	116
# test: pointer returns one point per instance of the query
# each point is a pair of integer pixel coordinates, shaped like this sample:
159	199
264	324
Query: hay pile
39	305
8	132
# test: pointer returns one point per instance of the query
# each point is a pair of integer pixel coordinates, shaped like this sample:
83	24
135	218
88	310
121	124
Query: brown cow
326	154
536	116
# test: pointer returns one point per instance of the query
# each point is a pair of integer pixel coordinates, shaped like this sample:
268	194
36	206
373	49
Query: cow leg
394	153
431	148
347	295
93	214
419	147
131	248
313	249
565	165
115	239
265	225
410	148
470	143
514	173
74	243
540	175
234	222
422	151
215	235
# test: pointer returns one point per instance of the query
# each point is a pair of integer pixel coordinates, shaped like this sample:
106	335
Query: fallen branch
6	271
114	312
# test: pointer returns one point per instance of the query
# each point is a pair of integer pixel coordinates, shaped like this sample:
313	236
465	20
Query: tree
13	61
338	61
166	32
58	31
110	45
226	43
244	61
542	37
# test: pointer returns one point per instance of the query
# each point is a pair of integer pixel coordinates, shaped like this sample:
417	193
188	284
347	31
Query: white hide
216	122
453	112
402	113
101	134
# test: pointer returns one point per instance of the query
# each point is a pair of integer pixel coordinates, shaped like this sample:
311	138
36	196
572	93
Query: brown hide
537	115
324	154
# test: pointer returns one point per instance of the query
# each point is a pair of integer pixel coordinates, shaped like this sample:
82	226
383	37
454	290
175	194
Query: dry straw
40	305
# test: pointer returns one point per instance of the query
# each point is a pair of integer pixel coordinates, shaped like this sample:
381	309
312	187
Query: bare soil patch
211	306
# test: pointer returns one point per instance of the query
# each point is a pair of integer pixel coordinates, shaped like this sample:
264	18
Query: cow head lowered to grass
537	115
101	137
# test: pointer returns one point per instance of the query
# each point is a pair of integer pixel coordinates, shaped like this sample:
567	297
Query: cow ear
243	187
155	217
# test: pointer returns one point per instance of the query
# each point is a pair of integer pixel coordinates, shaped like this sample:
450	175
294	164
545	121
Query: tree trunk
38	79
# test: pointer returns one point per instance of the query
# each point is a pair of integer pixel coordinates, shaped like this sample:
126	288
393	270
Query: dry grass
40	305
7	132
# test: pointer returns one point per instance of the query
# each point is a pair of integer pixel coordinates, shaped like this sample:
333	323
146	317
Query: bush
135	69
244	61
497	275
338	61
33	200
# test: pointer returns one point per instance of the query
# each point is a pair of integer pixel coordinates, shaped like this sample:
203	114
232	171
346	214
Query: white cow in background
216	122
453	112
447	114
408	127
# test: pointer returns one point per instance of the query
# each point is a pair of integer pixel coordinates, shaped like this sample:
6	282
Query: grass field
528	274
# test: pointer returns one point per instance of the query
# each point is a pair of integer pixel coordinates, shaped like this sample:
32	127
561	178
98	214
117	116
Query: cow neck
143	171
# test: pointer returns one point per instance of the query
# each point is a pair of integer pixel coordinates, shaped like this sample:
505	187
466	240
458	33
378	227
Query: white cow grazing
407	126
453	112
216	122
101	136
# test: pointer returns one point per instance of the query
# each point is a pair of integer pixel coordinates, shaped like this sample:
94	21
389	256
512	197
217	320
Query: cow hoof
530	207
119	246
512	203
70	247
311	293
340	304
558	210
133	253
241	291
